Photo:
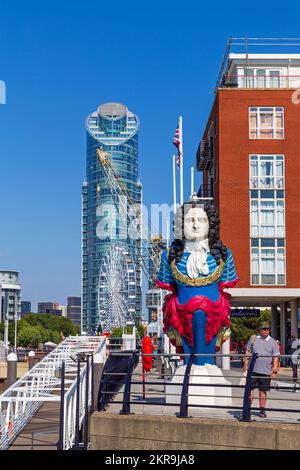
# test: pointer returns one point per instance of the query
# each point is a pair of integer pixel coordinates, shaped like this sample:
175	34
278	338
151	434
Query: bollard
226	357
12	361
97	369
31	356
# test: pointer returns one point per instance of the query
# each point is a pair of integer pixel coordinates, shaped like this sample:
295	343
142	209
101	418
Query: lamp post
16	320
6	335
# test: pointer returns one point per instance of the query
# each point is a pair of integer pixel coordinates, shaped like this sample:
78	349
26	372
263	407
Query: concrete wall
138	432
22	368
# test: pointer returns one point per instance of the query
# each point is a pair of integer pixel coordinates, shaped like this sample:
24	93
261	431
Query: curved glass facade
114	128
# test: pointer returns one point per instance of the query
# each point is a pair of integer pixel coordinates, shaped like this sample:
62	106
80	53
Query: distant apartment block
25	307
64	310
49	307
74	310
10	295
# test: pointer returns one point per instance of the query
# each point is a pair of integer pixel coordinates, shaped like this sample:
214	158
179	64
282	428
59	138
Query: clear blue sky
60	60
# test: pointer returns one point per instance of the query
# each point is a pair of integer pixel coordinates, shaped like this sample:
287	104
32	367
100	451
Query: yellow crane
150	248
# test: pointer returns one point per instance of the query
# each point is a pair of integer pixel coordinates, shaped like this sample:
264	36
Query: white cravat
197	260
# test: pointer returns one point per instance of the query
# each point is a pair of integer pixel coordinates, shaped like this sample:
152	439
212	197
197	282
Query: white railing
70	401
19	403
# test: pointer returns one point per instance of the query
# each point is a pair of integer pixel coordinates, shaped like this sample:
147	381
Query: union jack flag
176	142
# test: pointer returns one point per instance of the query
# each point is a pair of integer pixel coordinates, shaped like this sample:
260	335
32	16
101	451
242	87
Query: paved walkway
154	402
41	433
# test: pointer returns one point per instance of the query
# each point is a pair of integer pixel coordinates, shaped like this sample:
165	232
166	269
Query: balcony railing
260	81
205	192
205	154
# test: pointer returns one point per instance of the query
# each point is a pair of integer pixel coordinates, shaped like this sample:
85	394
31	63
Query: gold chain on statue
197	282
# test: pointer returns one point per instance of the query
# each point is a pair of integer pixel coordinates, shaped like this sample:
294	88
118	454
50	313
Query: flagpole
181	159
192	181
168	233
174	184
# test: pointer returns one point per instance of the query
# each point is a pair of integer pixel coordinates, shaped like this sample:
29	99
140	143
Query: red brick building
250	159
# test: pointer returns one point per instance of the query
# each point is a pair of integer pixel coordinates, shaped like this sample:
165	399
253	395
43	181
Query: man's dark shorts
260	381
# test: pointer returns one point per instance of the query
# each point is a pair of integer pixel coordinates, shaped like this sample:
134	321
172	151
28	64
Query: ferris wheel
117	287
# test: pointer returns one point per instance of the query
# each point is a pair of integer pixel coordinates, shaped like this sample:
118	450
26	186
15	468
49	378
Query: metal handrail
246	401
245	408
127	389
20	402
185	389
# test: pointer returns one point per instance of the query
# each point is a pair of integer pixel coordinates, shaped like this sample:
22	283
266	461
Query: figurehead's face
196	224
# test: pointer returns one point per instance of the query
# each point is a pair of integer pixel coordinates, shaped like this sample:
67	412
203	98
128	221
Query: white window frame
258	128
276	235
276	225
262	158
260	274
242	76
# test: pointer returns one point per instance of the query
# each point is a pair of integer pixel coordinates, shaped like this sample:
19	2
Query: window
267	262
249	74
267	172
266	123
274	78
261	78
267	219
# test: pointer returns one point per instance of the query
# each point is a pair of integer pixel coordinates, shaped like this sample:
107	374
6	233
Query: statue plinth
200	394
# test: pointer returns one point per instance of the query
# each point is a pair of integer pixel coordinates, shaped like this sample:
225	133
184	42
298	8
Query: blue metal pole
185	389
127	389
246	402
101	401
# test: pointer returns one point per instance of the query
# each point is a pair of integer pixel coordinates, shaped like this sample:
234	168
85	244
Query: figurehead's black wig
217	249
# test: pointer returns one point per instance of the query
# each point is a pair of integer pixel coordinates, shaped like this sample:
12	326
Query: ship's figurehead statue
196	269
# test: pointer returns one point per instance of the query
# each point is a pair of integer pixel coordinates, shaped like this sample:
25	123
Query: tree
36	328
243	328
140	330
29	336
52	322
117	332
55	337
67	327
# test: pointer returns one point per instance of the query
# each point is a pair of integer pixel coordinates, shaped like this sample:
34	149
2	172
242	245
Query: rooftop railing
255	45
255	81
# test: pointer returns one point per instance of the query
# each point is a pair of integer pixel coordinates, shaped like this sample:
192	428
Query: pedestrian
242	350
281	351
266	364
294	344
